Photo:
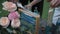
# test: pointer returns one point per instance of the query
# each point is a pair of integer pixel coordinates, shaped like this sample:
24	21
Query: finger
27	7
57	4
53	3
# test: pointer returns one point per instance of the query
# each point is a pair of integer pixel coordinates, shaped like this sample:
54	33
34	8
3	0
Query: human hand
29	6
55	3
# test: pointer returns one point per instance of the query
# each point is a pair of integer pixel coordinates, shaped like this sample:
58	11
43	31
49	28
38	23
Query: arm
34	2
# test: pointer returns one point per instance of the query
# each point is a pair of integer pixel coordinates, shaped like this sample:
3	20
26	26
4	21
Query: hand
28	6
55	3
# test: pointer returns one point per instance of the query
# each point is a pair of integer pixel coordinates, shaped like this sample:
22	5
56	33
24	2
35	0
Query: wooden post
37	25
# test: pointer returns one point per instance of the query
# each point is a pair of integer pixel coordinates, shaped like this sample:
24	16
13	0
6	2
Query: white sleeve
56	15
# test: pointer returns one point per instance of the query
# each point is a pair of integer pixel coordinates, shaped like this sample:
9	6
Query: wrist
30	5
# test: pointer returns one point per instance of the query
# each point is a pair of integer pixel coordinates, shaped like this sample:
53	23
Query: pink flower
13	15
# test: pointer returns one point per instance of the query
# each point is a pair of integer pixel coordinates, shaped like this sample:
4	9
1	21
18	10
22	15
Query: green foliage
3	12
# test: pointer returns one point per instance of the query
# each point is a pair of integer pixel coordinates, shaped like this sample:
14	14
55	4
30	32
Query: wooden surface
37	25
